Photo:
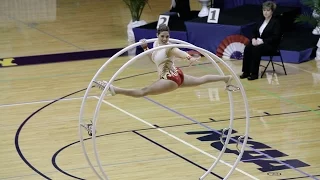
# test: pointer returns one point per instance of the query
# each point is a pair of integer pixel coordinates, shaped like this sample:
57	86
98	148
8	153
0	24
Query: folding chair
276	53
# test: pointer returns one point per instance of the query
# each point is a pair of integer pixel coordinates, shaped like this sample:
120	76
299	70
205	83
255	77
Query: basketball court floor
169	136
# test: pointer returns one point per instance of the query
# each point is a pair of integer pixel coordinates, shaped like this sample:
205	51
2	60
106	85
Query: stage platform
296	47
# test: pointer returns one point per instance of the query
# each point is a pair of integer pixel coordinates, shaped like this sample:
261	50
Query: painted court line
44	32
88	168
104	165
249	100
231	139
41	101
298	68
176	138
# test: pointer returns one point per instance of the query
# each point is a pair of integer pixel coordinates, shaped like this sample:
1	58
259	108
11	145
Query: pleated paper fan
232	47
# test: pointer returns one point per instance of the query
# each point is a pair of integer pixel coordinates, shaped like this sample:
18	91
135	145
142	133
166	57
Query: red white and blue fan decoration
232	47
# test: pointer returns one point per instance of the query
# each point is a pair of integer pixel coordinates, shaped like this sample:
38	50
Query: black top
271	34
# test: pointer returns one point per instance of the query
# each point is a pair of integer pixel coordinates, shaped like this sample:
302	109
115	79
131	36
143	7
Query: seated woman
266	37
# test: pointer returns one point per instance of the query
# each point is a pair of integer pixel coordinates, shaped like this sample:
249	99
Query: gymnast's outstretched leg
159	87
196	81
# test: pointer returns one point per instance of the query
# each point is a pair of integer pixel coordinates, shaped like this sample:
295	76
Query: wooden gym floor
40	106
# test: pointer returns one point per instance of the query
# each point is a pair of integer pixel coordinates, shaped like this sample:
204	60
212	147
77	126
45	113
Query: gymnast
170	76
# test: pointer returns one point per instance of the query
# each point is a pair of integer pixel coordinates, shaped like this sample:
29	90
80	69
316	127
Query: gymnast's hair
162	27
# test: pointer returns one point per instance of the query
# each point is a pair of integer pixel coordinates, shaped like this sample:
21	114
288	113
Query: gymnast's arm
183	55
149	54
144	46
179	53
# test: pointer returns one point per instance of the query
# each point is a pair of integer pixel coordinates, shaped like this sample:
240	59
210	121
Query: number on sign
213	16
163	19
